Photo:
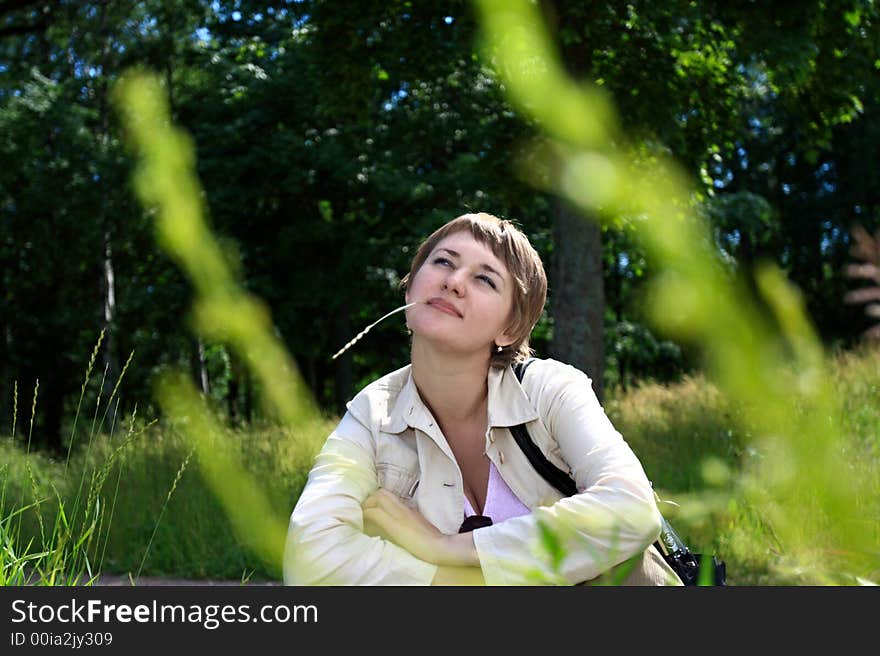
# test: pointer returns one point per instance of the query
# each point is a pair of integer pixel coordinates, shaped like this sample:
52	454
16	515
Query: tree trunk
108	285
200	367
577	294
248	396
108	279
232	393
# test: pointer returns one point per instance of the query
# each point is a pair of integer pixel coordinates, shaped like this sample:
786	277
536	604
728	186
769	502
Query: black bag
675	552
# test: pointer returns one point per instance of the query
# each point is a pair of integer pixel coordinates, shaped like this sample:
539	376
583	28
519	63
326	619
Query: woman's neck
455	389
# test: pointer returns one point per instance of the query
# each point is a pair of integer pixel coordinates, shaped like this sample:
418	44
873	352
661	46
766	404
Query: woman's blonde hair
510	245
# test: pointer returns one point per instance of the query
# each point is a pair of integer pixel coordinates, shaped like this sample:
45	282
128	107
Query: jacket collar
508	404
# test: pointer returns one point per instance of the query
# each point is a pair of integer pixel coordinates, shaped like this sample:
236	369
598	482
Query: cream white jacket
388	438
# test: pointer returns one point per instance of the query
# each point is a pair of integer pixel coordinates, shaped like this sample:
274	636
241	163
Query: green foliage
675	428
331	137
693	446
632	349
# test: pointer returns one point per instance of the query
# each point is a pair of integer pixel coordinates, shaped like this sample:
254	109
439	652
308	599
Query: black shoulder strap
551	473
671	547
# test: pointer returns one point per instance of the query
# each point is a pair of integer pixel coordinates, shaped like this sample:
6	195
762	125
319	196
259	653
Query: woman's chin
431	328
433	339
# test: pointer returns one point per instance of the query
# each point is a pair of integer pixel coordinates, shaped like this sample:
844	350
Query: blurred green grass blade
165	180
248	509
762	351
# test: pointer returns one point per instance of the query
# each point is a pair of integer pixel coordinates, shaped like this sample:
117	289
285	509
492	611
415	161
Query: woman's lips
443	306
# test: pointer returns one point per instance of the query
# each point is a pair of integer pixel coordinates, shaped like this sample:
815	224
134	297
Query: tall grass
223	311
161	517
165	520
170	523
55	516
690	439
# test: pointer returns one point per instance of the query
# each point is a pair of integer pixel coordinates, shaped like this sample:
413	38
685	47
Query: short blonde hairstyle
510	245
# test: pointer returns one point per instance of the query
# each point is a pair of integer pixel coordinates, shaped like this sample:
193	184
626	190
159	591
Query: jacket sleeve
612	518
326	544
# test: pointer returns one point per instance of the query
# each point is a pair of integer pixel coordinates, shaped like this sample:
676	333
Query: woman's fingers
387	517
383	509
377	514
384	499
375	521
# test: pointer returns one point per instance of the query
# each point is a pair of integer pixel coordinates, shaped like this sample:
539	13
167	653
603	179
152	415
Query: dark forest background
333	136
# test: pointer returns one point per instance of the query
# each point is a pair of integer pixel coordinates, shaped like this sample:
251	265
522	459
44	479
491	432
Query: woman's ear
504	340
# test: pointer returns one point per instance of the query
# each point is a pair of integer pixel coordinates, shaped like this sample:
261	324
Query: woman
422	483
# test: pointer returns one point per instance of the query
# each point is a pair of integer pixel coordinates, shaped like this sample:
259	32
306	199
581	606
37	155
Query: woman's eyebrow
484	266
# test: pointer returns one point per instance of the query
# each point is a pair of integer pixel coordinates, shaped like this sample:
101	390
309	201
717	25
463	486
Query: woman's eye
442	261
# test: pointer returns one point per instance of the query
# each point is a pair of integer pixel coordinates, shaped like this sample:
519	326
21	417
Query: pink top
501	502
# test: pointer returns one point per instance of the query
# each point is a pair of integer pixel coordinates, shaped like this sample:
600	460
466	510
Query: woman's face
469	295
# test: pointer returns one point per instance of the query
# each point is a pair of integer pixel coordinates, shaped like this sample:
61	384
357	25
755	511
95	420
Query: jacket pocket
399	480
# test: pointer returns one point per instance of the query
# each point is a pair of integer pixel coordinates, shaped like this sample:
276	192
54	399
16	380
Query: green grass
127	496
693	447
191	534
166	520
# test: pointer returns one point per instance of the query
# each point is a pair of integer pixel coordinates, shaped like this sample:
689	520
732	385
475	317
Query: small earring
499	349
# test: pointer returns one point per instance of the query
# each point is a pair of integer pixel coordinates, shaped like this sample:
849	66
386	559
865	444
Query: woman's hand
387	517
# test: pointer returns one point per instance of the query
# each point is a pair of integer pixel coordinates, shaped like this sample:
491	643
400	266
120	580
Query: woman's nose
455	281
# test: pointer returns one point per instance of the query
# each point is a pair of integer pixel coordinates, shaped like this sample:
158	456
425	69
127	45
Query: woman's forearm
460	551
386	516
